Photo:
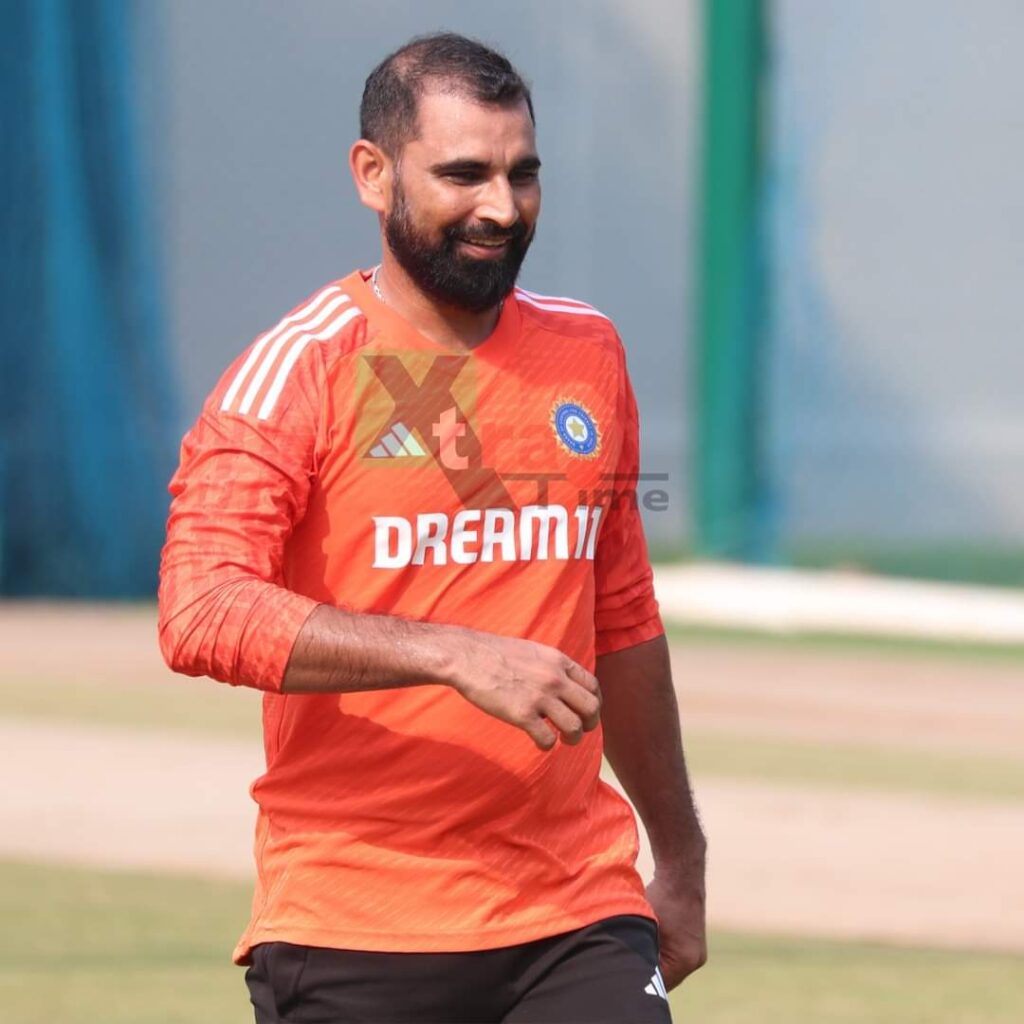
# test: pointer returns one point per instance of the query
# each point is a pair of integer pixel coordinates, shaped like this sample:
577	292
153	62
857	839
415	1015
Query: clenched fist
532	686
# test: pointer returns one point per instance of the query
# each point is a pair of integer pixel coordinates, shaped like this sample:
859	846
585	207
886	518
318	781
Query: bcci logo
576	429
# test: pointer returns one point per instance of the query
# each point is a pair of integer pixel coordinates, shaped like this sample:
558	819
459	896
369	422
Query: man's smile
489	248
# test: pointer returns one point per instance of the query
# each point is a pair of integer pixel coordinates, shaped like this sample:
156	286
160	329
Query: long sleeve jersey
346	459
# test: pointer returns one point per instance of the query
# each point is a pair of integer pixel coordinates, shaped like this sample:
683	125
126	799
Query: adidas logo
396	443
656	986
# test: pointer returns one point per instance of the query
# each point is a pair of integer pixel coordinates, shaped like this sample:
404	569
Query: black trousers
605	973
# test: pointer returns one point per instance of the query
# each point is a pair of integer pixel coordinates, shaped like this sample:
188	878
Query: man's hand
529	685
537	688
678	900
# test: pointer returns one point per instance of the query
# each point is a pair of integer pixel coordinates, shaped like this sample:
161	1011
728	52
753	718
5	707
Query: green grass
81	946
946	562
855	766
206	708
950	561
845	643
759	980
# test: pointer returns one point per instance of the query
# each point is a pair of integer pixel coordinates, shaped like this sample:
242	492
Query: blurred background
804	217
810	245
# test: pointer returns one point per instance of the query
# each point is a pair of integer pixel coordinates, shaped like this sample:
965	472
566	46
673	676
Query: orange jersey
347	459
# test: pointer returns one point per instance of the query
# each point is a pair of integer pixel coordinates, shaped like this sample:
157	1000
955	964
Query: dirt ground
784	858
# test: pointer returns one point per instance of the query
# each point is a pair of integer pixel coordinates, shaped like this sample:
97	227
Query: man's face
465	200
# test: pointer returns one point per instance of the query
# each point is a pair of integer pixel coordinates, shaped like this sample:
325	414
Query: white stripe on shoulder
267	407
281	327
275	350
557	305
552	298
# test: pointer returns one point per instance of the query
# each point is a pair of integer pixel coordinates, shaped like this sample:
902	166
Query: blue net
87	425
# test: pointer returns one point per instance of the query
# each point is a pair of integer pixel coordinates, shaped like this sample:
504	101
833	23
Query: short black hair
447	60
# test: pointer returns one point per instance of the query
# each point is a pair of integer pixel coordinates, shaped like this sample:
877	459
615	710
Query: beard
438	269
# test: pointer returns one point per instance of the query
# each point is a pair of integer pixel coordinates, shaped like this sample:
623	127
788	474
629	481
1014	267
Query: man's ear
372	172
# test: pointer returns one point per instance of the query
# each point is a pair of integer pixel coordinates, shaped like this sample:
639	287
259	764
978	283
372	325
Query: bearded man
405	514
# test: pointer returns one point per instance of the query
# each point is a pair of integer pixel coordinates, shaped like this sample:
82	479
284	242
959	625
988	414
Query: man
394	516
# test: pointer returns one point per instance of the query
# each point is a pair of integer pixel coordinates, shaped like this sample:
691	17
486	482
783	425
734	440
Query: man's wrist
683	855
440	654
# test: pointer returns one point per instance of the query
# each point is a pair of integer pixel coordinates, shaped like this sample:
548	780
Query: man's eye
463	177
525	177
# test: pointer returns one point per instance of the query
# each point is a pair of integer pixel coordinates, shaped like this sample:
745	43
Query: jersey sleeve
625	609
242	485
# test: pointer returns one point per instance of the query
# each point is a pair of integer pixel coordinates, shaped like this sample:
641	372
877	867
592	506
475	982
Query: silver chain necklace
375	286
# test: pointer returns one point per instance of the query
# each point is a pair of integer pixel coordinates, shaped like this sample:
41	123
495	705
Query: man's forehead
449	120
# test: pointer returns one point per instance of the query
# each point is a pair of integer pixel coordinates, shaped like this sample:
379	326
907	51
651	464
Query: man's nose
499	203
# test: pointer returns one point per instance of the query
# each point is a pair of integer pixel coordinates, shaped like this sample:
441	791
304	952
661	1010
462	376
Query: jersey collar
494	348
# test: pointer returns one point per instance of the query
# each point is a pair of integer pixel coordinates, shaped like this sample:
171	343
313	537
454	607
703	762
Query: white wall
899	256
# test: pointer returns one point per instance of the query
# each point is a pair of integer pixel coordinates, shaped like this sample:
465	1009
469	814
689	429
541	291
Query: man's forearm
340	652
642	739
526	684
